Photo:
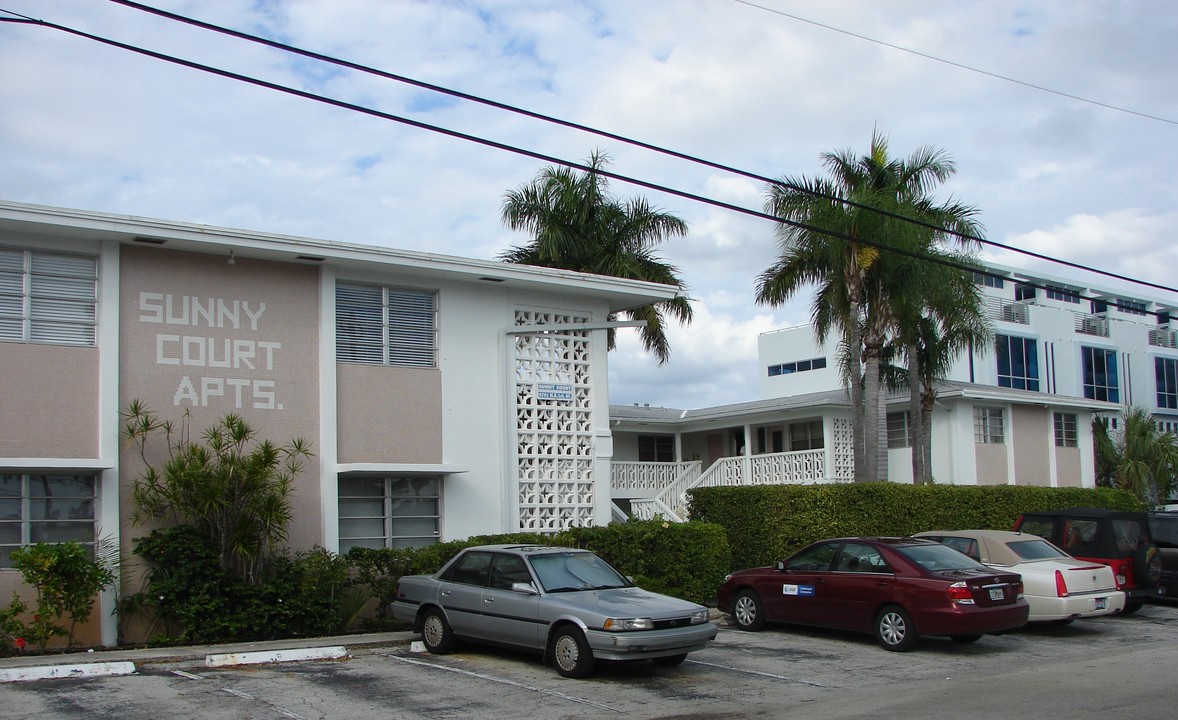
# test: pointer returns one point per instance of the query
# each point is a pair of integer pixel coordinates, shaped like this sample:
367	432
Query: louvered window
385	326
48	297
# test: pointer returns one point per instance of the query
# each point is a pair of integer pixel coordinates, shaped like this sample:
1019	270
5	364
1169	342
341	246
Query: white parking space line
188	675
505	681
243	695
757	672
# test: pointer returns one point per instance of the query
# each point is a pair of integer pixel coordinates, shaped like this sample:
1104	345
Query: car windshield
938	557
575	571
1036	550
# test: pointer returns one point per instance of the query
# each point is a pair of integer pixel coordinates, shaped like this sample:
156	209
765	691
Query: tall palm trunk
855	370
916	419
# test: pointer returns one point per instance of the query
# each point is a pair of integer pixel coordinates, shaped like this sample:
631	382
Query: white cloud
89	126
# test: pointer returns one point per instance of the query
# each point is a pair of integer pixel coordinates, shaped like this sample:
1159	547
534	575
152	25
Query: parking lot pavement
1047	671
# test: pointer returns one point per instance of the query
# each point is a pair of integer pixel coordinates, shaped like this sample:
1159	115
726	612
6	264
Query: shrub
767	523
231	487
190	597
67	580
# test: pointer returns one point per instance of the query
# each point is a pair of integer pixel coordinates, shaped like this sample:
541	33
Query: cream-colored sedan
1058	587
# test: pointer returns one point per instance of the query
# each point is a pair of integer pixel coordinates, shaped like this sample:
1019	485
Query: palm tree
942	317
1138	456
831	239
577	224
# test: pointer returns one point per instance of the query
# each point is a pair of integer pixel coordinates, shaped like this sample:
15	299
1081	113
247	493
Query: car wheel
747	611
670	660
965	639
894	629
436	632
571	653
1147	566
1132	607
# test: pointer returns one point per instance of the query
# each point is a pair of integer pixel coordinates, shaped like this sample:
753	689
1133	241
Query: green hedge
765	524
686	560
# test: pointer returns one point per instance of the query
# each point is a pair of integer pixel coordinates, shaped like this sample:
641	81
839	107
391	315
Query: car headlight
623	624
699	617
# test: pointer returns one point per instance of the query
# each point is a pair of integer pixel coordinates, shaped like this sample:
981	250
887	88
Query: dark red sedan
894	588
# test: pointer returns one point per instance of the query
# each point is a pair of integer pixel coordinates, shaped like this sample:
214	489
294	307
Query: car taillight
1018	589
1061	588
1121	568
960	593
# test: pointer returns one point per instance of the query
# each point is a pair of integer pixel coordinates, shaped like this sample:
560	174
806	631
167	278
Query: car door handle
445	593
488	600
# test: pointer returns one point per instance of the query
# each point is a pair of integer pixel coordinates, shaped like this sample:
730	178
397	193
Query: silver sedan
568	604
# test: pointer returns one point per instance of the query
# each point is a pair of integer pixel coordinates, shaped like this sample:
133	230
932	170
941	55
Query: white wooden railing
798	467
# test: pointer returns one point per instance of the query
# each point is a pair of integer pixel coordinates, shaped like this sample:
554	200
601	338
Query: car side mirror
524	588
780	566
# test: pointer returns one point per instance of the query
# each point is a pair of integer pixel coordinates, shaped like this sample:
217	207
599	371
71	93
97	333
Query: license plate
997	594
1101	603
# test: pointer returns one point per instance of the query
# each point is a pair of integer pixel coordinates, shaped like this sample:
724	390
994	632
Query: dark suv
1164	528
1121	540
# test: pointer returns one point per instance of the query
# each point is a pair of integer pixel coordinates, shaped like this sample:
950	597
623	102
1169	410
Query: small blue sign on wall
554	391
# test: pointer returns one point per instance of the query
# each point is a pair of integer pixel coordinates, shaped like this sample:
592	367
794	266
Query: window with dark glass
656	448
799	366
1166	370
805	436
45	508
1099	368
1054	292
1018	362
1131	307
988	280
1023	292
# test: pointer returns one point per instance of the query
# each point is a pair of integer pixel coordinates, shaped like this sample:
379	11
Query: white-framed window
379	325
989	425
45	508
1065	430
48	297
656	448
389	512
899	429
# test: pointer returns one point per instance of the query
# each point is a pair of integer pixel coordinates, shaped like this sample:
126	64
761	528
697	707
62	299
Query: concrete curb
50	672
276	656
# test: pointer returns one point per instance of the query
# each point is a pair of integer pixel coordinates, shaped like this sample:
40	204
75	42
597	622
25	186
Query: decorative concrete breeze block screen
554	424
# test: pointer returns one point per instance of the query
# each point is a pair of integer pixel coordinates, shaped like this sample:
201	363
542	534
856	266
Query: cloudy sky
1062	118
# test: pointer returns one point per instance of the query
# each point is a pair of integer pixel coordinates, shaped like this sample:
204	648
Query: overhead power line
613	136
934	58
22	19
627	140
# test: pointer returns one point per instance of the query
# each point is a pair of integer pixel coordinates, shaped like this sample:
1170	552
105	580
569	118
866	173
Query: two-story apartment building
442	397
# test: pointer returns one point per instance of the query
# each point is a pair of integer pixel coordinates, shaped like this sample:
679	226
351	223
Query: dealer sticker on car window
799	590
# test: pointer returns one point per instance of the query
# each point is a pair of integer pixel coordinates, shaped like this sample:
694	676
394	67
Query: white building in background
1018	412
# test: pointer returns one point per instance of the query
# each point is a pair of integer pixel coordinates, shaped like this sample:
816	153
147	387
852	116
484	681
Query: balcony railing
1163	337
1091	324
1006	311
